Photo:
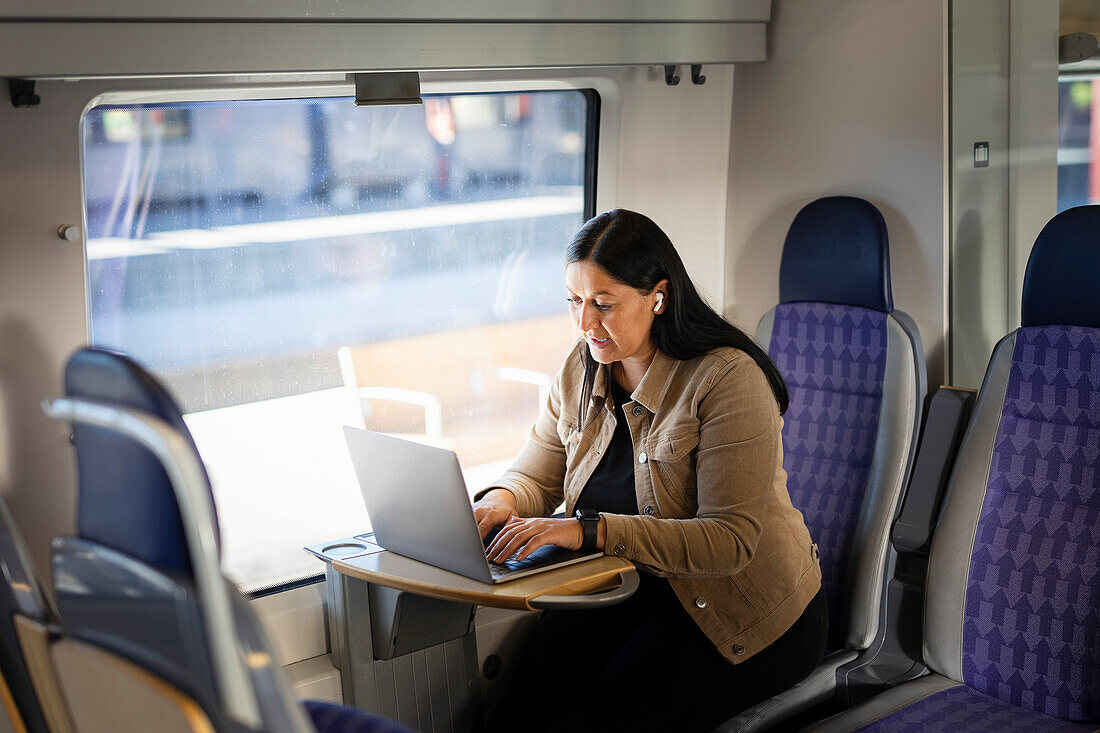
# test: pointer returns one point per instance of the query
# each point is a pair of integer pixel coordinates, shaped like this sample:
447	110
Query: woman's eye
603	307
573	301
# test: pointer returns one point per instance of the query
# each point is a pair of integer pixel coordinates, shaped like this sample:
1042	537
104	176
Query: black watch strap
590	525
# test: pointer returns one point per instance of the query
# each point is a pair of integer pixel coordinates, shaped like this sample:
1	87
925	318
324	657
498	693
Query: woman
662	435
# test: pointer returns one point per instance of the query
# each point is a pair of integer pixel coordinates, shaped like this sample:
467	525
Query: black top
611	487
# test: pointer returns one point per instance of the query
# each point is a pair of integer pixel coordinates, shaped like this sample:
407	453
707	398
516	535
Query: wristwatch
590	525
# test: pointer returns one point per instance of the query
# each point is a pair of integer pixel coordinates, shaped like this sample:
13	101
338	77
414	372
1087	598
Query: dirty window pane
287	267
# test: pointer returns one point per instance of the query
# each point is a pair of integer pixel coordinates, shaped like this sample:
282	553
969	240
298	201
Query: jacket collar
651	390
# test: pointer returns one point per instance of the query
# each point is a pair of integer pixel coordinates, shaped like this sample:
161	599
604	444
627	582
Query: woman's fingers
531	545
486	522
492	516
512	538
521	537
506	540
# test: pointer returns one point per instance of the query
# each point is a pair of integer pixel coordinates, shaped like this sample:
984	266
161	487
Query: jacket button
738	649
642	458
700	602
638	410
648	510
620	548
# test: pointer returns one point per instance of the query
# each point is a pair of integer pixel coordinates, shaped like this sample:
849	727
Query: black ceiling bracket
697	77
21	93
389	87
671	77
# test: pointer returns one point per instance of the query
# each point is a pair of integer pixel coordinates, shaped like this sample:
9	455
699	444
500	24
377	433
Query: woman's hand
524	536
495	509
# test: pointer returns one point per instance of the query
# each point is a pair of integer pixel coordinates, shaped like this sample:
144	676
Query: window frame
290	611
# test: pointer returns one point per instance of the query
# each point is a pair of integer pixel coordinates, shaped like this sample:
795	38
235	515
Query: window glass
288	267
1078	140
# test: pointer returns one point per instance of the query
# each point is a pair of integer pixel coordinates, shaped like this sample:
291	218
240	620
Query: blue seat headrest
1062	280
837	251
125	500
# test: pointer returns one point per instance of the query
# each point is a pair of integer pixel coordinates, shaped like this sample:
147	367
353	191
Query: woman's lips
599	343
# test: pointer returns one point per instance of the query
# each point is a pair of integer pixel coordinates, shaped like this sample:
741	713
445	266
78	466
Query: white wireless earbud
660	302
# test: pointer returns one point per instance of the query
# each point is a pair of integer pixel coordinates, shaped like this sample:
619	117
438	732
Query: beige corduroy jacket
715	517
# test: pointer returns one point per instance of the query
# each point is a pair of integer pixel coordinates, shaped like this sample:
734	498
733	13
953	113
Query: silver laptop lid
417	502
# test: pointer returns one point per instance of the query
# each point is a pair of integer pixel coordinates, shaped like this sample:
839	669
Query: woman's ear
660	292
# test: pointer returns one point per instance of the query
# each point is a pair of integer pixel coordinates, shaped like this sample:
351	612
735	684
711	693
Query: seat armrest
945	424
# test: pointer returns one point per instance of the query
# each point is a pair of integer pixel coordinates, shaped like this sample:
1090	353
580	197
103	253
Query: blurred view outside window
1078	142
288	267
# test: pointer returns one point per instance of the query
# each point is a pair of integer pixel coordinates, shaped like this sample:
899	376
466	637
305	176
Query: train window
290	266
1078	141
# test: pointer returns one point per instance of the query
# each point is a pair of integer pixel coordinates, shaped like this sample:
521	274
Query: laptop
419	507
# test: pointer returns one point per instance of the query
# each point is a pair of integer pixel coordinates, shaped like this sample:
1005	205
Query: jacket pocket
672	452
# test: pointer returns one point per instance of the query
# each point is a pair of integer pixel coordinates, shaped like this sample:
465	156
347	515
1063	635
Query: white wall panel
41	307
850	101
673	164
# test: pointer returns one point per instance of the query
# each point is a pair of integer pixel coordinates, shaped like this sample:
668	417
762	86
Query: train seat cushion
964	708
1063	270
833	358
145	523
837	251
1031	626
329	717
933	703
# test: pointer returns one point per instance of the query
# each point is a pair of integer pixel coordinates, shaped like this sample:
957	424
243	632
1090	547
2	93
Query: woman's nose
588	319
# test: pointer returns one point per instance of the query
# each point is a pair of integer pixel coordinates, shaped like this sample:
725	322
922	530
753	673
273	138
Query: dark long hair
634	251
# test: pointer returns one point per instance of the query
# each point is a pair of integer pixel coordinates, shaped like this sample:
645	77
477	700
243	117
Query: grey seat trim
953	542
882	705
903	390
816	688
764	329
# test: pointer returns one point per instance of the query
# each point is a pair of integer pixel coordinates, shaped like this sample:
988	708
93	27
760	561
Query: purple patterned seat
833	358
1013	602
962	708
854	368
849	359
1031	632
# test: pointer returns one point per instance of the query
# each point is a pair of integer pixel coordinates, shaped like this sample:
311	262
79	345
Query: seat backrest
1013	595
134	583
145	524
855	370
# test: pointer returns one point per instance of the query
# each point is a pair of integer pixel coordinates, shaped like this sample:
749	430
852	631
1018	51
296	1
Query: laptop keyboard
511	565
